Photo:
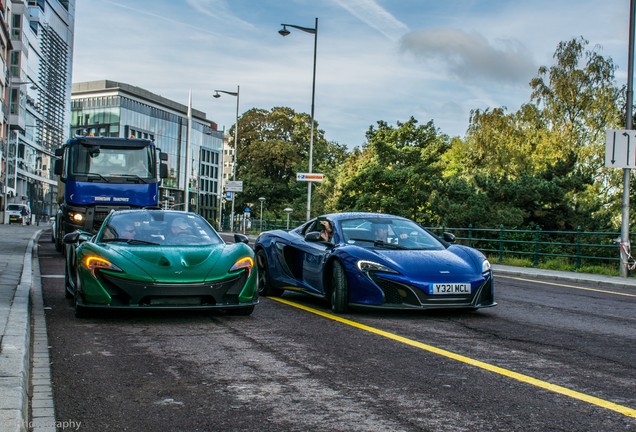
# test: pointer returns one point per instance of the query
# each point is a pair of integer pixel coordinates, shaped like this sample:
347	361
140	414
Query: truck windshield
110	161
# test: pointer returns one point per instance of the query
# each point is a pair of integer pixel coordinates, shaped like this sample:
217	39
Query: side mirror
71	238
241	238
163	170
77	236
57	167
449	237
313	236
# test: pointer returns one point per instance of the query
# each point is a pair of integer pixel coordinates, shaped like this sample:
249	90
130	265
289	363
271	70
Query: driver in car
179	226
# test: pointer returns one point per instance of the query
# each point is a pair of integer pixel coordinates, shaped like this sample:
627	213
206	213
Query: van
14	211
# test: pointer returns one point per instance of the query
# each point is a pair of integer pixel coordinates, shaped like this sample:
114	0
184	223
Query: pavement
26	392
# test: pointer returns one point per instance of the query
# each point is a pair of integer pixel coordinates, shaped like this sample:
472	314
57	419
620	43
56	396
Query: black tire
245	311
79	310
75	294
69	289
263	282
339	290
58	238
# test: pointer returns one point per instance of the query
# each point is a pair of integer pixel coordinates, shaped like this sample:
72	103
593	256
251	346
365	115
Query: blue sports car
373	260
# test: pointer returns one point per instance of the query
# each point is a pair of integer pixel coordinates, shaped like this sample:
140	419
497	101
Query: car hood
448	264
176	264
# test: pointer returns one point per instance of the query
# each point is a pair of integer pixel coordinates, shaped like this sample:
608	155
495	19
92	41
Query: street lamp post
314	31
237	94
288	210
262	199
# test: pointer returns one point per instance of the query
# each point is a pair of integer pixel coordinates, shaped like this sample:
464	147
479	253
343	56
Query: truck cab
100	174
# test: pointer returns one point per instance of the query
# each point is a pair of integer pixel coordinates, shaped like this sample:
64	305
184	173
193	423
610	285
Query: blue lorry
99	174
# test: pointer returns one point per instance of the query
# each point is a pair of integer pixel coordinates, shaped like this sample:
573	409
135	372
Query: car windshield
158	227
388	233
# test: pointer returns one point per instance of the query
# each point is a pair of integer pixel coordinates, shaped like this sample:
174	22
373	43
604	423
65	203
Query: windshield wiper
380	243
361	240
93	176
129	241
133	176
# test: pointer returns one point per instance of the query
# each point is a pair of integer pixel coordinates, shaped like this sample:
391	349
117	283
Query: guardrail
578	247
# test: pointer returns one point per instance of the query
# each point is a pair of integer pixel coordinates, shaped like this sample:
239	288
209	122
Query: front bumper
403	296
237	291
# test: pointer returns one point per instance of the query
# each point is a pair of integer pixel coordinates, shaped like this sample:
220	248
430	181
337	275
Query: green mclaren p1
159	259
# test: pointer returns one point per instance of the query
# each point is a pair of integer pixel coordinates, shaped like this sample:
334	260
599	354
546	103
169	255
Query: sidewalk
22	315
20	297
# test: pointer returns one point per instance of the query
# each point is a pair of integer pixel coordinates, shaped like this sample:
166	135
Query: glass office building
38	89
109	108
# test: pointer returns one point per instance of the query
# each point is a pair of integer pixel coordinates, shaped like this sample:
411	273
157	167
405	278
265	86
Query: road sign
315	177
247	210
620	148
228	195
234	186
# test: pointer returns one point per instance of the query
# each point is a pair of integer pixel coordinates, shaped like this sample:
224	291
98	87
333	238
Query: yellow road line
567	286
627	411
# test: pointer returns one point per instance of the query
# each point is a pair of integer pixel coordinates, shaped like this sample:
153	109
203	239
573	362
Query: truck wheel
58	239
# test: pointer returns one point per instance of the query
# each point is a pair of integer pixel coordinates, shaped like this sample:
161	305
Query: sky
377	60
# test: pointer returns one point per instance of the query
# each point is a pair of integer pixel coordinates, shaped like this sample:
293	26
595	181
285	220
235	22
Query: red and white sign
316	177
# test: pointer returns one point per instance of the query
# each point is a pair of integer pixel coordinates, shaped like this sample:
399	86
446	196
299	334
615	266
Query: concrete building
109	108
36	89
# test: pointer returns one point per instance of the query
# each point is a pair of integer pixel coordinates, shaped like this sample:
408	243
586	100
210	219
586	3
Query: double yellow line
627	411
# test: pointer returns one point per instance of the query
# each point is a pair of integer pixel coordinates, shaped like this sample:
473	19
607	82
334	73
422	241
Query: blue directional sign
247	210
228	195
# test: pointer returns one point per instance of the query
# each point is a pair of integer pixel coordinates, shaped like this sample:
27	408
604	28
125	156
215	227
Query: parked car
373	260
15	210
161	259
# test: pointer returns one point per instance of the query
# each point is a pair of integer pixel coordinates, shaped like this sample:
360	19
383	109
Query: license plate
451	288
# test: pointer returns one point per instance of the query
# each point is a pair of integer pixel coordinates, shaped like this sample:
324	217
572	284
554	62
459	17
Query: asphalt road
549	357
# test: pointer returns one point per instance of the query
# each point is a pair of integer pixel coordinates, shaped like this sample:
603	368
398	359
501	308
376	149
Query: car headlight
485	266
244	263
367	266
94	262
76	217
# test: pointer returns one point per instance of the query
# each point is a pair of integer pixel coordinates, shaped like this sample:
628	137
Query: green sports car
159	259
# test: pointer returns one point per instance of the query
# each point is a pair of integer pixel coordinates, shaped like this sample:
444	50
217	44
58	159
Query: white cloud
470	57
375	16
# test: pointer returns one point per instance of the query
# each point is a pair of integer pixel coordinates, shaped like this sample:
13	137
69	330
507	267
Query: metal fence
577	247
268	224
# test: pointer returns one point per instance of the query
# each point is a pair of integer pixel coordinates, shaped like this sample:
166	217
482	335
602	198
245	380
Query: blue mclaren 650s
373	260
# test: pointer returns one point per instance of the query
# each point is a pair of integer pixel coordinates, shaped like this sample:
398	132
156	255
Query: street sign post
234	186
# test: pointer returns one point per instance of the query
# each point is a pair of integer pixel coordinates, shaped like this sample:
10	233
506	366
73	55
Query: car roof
360	215
133	212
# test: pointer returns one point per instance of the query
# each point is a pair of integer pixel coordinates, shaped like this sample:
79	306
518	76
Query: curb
42	418
15	353
599	280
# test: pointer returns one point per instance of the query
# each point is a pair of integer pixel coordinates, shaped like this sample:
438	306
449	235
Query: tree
396	171
273	146
547	159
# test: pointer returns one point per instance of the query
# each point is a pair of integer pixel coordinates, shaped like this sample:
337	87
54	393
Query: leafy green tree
547	159
396	171
273	146
579	101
